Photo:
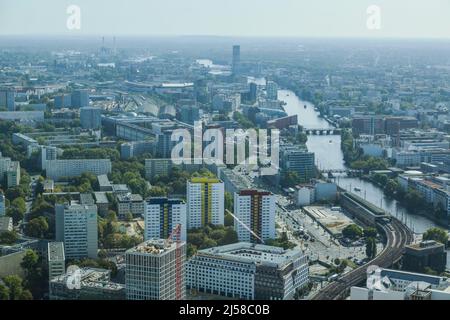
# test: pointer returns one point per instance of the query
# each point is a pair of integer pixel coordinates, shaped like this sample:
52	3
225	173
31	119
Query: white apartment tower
162	215
205	199
256	213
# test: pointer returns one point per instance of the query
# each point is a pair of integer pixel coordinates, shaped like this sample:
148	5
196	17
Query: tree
391	187
20	204
8	237
229	201
4	292
371	248
370	232
128	216
30	261
413	200
15	214
15	287
352	231
228	220
290	179
37	227
436	234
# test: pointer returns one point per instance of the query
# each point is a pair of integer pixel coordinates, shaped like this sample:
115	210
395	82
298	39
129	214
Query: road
397	236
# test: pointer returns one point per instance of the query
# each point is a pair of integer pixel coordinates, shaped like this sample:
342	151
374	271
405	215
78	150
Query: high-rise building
76	226
165	144
272	90
56	259
63	101
91	118
297	159
7	99
236	59
9	171
162	215
151	270
256	213
189	114
80	98
47	154
13	174
248	271
2	204
253	91
205	198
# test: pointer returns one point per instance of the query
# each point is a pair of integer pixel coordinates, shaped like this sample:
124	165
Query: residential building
80	98
7	99
130	203
90	118
162	215
63	101
205	200
272	90
13	174
151	270
256	212
58	169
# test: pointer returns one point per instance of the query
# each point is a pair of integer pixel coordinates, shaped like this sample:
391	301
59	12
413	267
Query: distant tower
236	59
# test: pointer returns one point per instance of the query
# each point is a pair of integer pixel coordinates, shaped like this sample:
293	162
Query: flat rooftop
56	251
254	253
154	247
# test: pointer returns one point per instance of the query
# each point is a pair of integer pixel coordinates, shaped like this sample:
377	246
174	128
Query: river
329	156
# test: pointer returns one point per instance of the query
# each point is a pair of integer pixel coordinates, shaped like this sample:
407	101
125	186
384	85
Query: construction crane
175	236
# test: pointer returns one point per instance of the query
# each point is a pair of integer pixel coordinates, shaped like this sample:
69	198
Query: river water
329	156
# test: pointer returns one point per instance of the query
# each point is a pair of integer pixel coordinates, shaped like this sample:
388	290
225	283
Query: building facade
248	271
162	215
90	118
205	200
56	259
256	213
76	226
151	270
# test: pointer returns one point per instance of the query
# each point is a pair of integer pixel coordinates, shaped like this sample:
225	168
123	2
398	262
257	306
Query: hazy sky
312	18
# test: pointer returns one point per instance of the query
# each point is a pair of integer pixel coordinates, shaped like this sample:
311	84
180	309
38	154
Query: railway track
397	236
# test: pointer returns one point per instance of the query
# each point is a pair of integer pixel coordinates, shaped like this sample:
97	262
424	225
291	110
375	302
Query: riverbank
423	213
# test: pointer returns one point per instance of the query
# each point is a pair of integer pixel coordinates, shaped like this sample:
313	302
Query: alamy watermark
73	277
242	147
74	19
373	21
